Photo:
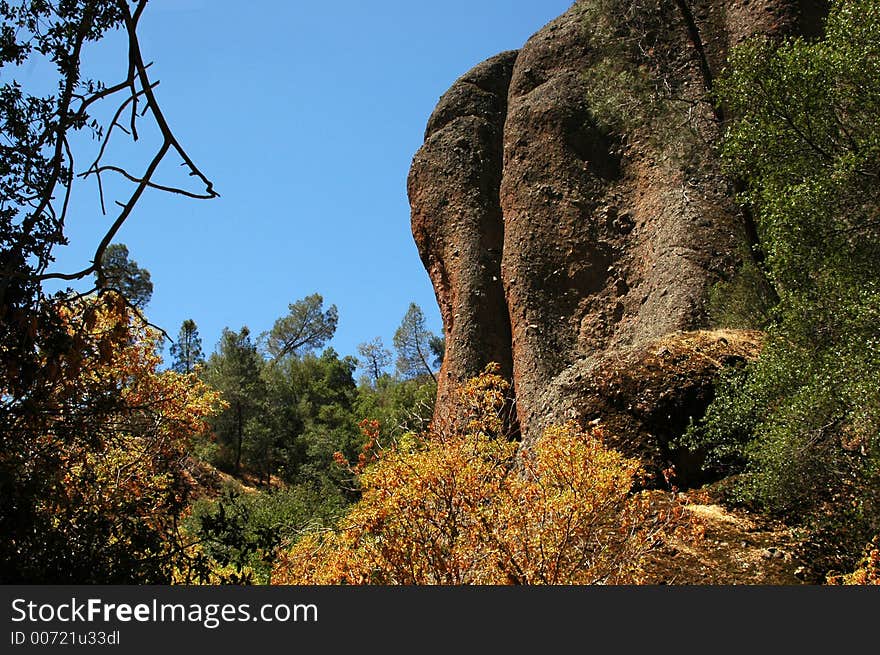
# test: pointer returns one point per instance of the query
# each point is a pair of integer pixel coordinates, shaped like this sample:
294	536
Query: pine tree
235	371
122	274
413	340
374	358
187	352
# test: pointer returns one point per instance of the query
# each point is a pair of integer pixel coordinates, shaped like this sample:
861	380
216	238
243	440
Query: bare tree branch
152	185
139	87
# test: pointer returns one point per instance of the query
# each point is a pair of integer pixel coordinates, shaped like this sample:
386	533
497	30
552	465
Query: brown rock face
558	243
605	247
644	397
457	224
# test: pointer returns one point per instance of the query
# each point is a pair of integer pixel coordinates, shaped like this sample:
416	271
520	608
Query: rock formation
457	223
559	241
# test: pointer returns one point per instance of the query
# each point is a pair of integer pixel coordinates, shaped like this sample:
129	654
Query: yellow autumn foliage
467	507
109	451
868	570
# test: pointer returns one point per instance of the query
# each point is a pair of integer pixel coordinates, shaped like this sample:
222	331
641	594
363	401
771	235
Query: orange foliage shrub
868	570
104	458
469	508
133	452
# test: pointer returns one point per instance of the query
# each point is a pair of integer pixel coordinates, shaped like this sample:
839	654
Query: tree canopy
374	358
307	326
123	275
417	347
92	488
235	370
803	421
187	351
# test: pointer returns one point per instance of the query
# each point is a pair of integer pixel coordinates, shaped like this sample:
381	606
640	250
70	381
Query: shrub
803	421
240	533
868	570
466	507
745	301
94	483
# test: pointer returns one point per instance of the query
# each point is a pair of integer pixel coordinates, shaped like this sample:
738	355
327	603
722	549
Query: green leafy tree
309	413
187	352
123	275
329	420
235	370
399	406
288	415
804	420
412	340
308	398
306	327
374	358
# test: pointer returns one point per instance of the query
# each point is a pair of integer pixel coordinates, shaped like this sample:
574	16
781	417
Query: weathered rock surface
603	249
646	396
457	224
561	248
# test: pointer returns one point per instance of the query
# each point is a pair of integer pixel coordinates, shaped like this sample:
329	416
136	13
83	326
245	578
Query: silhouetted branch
139	100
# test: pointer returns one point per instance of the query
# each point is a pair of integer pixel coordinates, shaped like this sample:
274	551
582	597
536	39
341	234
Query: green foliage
124	276
745	301
286	417
637	80
285	420
437	346
309	413
306	327
804	420
417	347
400	406
241	533
235	371
187	351
374	358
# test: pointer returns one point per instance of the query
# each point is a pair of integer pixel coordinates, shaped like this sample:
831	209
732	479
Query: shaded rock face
645	397
556	244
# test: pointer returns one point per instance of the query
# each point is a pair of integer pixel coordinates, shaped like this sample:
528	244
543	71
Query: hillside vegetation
658	261
802	423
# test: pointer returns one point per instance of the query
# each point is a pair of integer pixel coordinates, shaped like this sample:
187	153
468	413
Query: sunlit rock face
559	241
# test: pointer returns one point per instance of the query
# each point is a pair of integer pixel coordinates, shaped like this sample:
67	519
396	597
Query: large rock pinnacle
558	240
457	223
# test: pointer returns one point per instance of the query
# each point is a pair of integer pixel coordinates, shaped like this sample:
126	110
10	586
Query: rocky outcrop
457	222
644	397
604	248
560	242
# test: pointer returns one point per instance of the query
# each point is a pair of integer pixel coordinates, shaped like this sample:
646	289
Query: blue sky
305	115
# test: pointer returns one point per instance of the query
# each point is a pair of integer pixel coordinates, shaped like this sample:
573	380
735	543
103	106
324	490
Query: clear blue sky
306	116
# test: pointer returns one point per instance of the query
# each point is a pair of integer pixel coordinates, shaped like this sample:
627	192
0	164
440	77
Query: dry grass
737	548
